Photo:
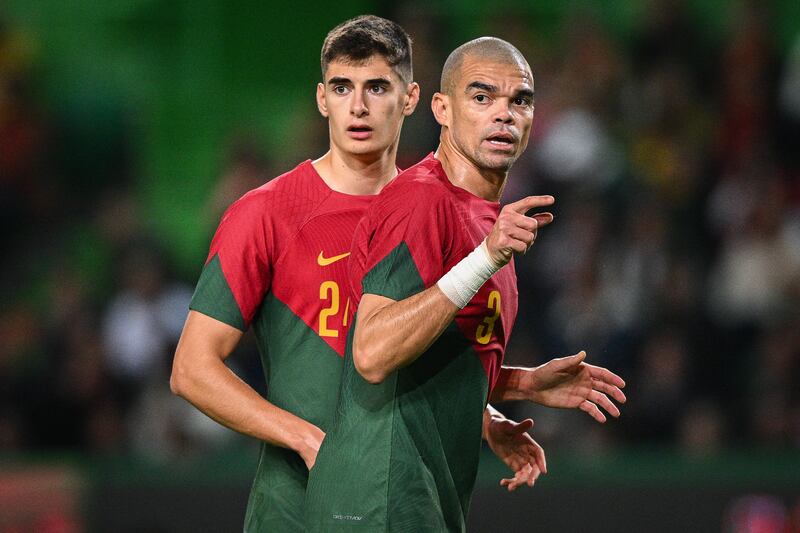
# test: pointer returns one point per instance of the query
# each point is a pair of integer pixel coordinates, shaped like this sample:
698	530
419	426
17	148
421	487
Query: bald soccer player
434	282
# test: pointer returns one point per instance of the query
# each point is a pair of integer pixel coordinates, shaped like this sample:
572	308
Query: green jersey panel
303	378
213	296
402	455
277	263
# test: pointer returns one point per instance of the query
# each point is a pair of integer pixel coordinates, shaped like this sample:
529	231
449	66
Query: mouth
359	131
501	141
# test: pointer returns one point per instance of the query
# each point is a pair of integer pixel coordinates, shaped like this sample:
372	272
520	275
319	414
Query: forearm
392	334
216	391
515	383
199	375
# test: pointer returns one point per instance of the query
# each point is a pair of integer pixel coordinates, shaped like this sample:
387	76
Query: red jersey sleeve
238	270
403	243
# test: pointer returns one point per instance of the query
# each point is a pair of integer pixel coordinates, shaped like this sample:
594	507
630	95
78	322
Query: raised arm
199	375
391	334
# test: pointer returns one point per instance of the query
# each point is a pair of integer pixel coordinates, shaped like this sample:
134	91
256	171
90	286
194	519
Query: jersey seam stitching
302	225
391	449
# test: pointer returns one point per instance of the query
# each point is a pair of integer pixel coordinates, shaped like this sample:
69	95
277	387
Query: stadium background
668	131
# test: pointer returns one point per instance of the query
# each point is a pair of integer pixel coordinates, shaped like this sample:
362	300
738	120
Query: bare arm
200	375
566	382
391	334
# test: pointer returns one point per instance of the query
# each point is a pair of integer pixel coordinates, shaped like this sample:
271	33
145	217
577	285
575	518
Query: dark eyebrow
525	93
481	87
338	80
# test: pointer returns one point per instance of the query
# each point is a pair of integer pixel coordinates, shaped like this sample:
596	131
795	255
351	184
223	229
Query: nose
358	105
503	114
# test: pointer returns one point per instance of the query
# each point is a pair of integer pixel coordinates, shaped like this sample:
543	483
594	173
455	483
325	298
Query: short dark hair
358	39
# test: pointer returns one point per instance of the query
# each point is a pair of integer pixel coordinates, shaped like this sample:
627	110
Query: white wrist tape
464	280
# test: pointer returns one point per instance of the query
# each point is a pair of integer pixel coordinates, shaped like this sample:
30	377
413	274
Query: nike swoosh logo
325	261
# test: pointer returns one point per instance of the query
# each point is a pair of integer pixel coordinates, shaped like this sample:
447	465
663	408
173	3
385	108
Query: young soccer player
277	263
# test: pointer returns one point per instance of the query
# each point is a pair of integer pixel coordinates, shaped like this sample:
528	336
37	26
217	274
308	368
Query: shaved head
485	105
489	48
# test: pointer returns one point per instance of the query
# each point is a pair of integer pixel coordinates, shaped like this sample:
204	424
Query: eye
522	100
377	89
481	98
340	89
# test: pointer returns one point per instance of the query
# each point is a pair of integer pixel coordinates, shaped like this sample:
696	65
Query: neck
357	174
463	172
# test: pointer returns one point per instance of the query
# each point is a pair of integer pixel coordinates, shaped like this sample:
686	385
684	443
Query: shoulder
287	195
420	187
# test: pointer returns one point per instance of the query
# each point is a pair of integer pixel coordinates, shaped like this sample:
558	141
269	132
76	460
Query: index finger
529	202
598	372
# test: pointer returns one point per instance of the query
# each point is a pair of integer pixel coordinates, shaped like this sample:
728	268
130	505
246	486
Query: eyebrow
525	93
339	80
482	87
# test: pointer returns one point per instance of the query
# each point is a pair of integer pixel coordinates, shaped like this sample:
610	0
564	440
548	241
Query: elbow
178	380
367	366
176	384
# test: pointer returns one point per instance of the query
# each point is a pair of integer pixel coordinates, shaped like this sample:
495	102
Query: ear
322	104
440	105
412	92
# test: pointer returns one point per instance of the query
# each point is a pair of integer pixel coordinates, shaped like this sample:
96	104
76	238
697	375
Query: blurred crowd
674	259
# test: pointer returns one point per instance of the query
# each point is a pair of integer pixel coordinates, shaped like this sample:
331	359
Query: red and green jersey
402	455
278	263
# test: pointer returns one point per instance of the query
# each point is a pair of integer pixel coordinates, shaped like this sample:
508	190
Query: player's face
492	112
365	105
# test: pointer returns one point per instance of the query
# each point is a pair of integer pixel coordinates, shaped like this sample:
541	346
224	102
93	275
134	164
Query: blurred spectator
635	267
775	372
21	357
247	168
660	386
143	320
748	86
749	282
788	134
27	196
701	430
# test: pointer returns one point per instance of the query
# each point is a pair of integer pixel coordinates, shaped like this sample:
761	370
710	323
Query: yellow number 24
330	290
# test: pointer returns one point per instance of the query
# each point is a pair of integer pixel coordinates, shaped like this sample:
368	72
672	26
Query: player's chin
498	161
364	147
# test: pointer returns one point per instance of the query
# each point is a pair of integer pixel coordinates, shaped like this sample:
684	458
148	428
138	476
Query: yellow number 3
484	332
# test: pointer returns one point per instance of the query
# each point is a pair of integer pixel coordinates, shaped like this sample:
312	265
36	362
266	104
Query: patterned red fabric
440	223
280	238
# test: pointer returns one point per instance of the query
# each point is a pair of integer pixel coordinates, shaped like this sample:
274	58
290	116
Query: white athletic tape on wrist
464	280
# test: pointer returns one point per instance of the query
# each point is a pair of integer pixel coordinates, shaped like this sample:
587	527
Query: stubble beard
494	164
